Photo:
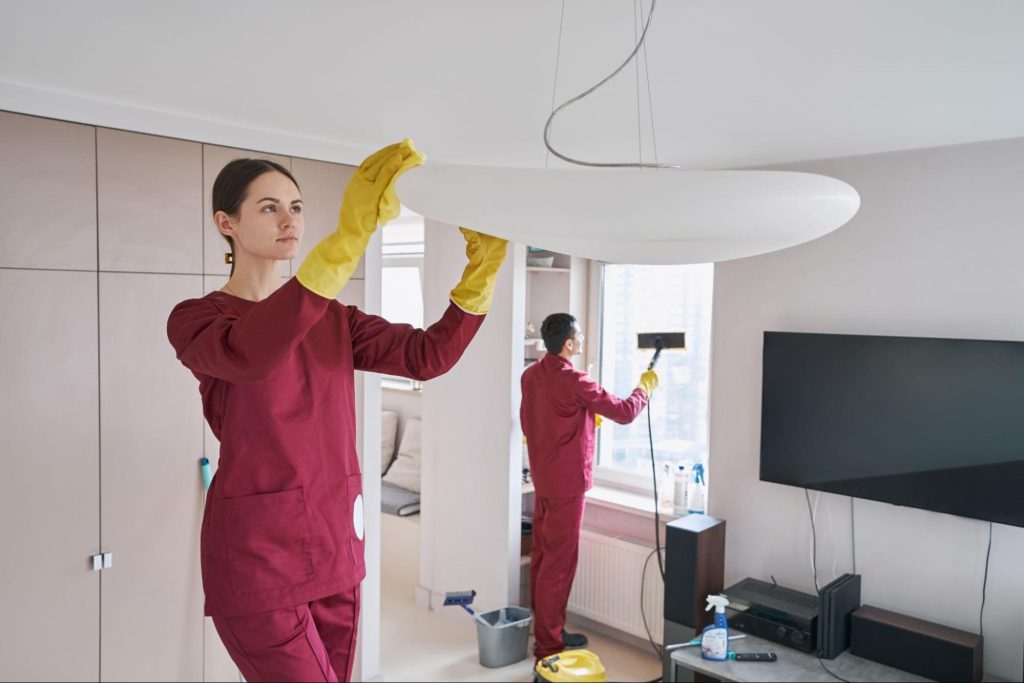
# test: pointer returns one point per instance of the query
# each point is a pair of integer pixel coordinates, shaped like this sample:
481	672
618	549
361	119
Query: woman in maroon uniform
282	536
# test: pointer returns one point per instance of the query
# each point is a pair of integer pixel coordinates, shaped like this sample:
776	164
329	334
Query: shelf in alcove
540	269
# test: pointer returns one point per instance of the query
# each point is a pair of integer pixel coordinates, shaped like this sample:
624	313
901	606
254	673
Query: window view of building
638	299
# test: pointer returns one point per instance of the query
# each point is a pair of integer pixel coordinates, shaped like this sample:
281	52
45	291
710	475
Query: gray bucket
502	635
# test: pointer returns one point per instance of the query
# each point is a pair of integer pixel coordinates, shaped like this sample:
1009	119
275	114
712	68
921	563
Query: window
402	292
402	278
638	299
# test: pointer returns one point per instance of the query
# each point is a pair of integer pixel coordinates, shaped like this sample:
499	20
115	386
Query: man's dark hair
556	329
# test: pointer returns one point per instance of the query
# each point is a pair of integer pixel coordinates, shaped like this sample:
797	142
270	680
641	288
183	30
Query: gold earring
229	257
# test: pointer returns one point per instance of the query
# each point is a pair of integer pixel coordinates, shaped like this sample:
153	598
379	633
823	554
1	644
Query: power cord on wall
814	572
984	584
853	538
814	542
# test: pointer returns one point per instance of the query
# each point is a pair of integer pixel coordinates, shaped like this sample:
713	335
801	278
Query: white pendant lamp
632	216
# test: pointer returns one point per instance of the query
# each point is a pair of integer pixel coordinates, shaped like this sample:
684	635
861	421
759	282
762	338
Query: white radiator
607	585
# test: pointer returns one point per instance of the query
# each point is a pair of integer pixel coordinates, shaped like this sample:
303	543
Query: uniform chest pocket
268	541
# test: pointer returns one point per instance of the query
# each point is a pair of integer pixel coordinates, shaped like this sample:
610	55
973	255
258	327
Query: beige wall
104	231
935	251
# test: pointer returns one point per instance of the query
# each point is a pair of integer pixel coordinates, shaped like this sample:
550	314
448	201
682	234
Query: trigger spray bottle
714	643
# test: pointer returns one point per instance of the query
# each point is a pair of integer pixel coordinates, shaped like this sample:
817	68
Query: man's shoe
573	641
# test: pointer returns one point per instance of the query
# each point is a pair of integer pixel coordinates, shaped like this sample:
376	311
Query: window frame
603	474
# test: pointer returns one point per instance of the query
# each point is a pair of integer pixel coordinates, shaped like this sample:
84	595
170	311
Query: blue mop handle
204	467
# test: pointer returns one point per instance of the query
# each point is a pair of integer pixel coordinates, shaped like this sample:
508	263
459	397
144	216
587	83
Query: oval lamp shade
648	216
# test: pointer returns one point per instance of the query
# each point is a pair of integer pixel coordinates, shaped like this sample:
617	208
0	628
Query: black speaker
927	649
836	602
694	569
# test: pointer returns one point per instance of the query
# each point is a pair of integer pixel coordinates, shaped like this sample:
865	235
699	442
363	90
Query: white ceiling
732	83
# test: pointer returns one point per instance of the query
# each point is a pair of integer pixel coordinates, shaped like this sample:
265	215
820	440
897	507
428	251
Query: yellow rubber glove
648	382
597	421
369	199
475	290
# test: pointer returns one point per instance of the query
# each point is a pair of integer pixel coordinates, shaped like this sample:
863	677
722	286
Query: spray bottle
714	642
695	497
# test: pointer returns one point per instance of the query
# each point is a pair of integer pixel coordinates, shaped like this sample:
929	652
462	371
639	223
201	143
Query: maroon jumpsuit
557	416
282	535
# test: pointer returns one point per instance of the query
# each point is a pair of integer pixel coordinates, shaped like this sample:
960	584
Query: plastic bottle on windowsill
666	488
679	497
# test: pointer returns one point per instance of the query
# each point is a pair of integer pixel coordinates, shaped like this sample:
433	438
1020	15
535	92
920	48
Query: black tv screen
936	424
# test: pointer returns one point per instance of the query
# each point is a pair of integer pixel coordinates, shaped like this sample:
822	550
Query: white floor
419	645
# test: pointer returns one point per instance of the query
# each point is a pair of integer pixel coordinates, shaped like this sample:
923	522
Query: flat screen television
936	424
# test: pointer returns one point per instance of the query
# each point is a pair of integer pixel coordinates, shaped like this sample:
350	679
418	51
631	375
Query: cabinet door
48	191
152	496
214	159
49	497
150	203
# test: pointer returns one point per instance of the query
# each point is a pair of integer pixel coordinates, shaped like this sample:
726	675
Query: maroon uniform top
557	416
283	519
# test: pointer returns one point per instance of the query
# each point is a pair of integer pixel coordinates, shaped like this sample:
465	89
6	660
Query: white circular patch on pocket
357	516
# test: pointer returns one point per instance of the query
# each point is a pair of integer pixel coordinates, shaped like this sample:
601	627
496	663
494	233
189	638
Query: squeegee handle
658	346
654	360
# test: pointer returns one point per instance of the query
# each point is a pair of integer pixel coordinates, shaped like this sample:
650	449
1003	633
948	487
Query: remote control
756	657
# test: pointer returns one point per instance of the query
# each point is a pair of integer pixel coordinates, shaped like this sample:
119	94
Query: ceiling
732	83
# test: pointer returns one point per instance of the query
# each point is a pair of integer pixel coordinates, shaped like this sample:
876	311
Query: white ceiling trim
76	108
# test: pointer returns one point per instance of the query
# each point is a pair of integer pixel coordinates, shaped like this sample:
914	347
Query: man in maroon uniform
558	414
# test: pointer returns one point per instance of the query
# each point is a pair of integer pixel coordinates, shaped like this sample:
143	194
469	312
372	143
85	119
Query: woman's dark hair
232	185
556	329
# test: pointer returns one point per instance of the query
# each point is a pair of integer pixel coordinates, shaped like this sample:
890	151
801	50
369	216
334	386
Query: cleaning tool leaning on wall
558	414
282	535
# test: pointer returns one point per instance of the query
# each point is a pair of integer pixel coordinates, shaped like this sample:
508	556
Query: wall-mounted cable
984	584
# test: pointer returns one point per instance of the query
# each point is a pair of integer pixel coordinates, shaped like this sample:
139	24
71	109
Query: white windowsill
631	502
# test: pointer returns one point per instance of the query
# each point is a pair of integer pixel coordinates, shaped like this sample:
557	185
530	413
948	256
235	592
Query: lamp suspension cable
632	55
639	118
554	86
650	100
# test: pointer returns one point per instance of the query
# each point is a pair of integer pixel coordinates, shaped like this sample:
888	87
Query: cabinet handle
101	561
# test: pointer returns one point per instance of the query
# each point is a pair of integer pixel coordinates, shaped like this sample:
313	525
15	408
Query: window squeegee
660	341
